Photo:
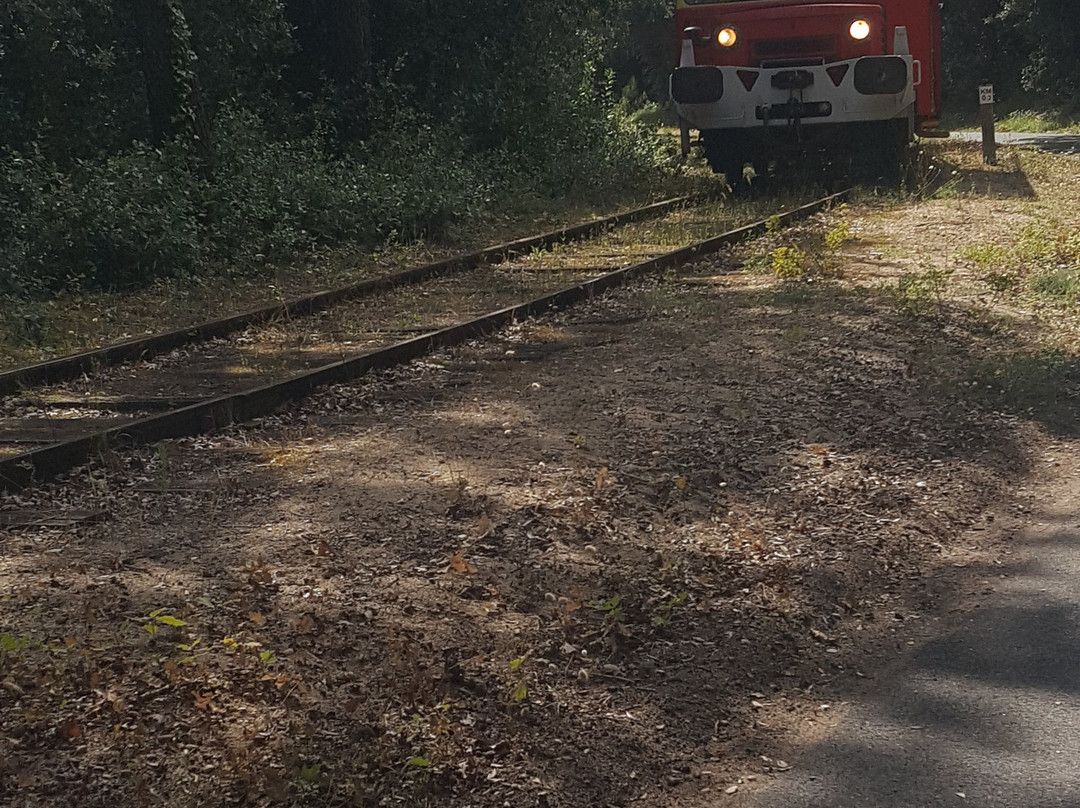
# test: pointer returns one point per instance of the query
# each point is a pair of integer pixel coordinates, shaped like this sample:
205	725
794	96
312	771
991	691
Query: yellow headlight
727	37
860	29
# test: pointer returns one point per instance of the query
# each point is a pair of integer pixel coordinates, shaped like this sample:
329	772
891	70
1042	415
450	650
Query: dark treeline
1028	49
143	138
149	138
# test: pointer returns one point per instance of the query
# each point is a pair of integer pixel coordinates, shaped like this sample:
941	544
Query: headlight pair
728	36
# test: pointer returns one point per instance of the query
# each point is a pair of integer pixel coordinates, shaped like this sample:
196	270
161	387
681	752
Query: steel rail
26	469
73	366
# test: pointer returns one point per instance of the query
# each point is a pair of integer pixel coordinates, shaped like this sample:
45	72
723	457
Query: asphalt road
1058	144
986	713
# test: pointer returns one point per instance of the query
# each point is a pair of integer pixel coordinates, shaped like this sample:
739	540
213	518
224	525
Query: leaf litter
627	572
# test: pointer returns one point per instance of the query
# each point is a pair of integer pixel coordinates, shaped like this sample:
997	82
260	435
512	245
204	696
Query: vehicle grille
793	48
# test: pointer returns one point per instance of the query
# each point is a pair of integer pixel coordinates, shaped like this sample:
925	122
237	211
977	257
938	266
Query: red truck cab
754	70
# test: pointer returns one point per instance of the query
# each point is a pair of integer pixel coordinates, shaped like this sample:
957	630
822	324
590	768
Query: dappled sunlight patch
663	545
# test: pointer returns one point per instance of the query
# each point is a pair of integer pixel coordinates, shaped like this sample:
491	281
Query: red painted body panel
772	31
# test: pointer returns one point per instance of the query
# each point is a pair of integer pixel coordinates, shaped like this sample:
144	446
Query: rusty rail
29	468
73	366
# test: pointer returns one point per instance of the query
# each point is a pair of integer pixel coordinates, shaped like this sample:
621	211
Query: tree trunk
153	22
169	67
349	26
334	43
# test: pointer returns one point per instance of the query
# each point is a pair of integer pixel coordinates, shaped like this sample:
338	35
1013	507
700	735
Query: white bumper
778	97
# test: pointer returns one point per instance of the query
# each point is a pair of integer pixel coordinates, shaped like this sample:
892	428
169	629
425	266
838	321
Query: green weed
837	236
985	256
1034	244
667	609
158	618
1027	120
520	691
918	293
788	263
1061	284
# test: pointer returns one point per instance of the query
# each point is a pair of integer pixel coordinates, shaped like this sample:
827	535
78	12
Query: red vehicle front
756	73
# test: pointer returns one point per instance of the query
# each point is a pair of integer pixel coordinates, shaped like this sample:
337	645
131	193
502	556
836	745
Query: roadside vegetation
676	527
1026	120
142	147
1028	49
142	143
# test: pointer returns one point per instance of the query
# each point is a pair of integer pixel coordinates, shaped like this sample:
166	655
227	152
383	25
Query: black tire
886	153
727	155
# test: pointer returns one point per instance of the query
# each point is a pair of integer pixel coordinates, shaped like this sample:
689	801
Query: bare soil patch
620	556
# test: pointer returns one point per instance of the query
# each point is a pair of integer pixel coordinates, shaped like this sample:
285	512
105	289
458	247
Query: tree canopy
141	138
1029	49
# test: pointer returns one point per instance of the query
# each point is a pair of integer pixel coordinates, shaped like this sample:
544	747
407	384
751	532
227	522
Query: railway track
75	365
61	414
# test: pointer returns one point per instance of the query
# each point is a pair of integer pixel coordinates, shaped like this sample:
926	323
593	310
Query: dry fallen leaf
474	661
483	526
279	680
460	565
202	700
457	492
256	618
70	730
113	697
260	575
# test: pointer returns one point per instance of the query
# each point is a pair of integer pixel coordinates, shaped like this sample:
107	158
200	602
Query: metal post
986	118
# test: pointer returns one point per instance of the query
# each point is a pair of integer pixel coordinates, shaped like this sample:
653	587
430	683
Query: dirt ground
625	555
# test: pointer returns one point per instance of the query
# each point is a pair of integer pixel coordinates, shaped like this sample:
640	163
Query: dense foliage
141	138
1029	50
149	137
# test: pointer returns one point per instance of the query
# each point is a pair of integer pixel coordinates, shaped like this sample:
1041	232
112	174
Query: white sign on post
986	93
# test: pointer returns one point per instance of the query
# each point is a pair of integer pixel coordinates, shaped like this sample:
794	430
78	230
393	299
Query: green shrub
150	213
1061	284
147	213
918	293
104	224
788	263
272	198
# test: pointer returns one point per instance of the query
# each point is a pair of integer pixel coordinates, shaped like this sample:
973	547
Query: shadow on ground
957	168
987	712
604	561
